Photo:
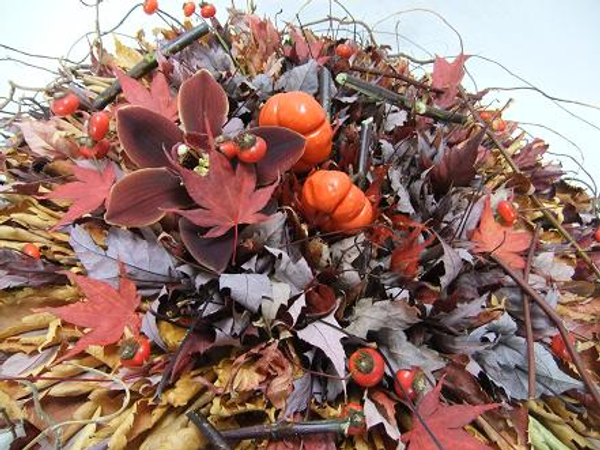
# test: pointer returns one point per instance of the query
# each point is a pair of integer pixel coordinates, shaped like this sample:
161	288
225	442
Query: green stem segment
383	94
150	62
284	430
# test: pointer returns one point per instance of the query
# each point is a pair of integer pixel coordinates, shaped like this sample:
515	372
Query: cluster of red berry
207	10
94	146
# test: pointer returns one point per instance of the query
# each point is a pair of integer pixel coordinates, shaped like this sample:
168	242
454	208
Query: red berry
229	149
355	412
344	51
98	125
366	367
507	212
208	10
409	382
150	6
559	348
189	8
32	250
135	352
486	116
251	148
498	125
597	234
99	150
66	105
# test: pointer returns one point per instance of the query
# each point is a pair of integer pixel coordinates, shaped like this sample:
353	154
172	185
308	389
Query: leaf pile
252	311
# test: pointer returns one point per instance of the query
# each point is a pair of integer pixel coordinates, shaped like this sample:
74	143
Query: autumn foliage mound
276	239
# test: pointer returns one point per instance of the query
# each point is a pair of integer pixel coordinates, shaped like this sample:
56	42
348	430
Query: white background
552	44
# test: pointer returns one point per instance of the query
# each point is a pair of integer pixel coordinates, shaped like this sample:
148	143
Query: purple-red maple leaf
445	423
87	194
106	312
227	197
448	76
306	46
158	98
503	242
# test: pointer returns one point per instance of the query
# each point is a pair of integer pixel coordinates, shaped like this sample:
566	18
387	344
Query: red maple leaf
445	423
227	198
158	98
405	257
448	76
504	242
87	194
107	312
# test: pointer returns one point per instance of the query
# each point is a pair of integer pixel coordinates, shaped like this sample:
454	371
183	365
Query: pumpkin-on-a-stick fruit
300	112
335	203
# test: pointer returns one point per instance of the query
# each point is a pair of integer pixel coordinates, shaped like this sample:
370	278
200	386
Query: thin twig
344	22
536	200
527	318
541	302
102	419
397	76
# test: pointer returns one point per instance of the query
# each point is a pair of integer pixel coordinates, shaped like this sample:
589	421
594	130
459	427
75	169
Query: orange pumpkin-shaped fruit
300	112
335	202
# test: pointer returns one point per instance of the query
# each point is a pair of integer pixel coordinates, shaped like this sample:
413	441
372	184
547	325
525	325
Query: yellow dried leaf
109	354
126	57
82	441
557	425
71	389
558	406
15	308
223	371
85	412
65	371
184	390
11	408
174	432
106	400
147	416
170	334
33	322
247	378
223	407
118	440
50	334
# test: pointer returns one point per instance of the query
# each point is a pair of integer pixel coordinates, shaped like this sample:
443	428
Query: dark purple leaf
248	290
457	166
23	364
146	262
327	334
18	269
140	199
196	343
146	136
301	395
202	102
285	148
214	253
